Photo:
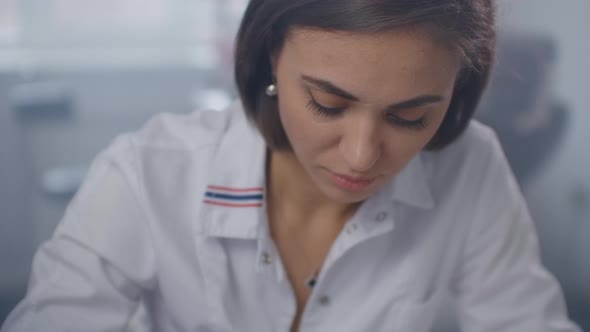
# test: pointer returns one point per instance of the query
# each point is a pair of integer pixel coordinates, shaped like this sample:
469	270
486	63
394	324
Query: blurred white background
75	73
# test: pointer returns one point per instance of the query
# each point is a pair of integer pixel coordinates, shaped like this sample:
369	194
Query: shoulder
472	166
169	136
476	144
169	131
172	154
476	148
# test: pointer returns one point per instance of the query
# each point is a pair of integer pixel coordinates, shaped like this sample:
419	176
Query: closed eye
411	124
324	111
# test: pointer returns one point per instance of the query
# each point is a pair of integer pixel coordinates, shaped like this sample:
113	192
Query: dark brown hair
466	25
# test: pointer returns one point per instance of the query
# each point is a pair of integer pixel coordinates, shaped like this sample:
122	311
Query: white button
381	216
266	258
324	300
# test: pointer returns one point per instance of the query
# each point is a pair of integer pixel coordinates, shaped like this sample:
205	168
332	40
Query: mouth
351	183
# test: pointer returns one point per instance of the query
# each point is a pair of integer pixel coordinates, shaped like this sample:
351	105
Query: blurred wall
559	197
568	22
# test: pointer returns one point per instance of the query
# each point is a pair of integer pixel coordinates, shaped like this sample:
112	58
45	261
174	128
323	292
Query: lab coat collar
411	185
409	188
234	198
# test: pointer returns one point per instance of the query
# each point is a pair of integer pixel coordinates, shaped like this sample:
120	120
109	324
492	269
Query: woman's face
358	107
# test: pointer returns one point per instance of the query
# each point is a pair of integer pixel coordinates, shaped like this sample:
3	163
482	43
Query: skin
389	79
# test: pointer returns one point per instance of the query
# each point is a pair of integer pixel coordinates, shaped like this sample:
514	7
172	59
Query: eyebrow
331	88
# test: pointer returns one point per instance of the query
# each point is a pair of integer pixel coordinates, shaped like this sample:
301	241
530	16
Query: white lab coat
173	217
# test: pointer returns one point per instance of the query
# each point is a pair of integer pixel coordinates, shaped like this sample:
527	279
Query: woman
358	194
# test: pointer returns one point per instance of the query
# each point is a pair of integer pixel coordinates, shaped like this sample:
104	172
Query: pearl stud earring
271	90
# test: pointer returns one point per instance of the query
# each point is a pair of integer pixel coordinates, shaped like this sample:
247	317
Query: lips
351	183
354	179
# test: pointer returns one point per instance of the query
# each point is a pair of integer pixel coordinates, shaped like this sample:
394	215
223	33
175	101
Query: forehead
407	59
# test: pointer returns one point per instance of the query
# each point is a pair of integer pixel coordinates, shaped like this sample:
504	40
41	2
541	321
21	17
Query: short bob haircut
468	26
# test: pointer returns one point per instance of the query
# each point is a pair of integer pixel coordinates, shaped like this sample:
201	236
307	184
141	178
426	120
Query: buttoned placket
373	218
273	274
364	225
270	266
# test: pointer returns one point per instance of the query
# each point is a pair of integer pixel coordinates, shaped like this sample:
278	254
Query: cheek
304	132
308	138
396	156
402	147
296	128
292	118
407	144
291	110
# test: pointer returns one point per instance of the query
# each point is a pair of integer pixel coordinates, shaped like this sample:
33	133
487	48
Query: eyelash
324	111
328	112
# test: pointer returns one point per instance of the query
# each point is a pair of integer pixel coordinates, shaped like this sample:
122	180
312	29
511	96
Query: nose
360	145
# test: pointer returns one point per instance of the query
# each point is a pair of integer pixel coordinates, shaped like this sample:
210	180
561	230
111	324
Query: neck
293	194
